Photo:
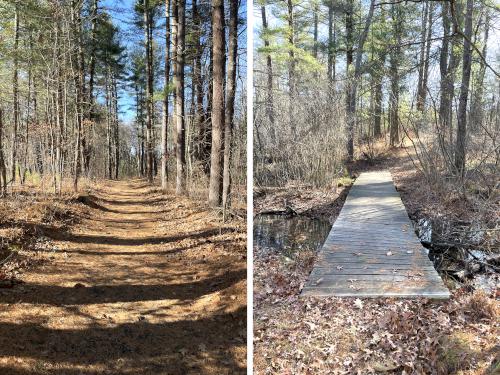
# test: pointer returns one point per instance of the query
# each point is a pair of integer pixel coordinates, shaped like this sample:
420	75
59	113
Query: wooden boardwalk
372	250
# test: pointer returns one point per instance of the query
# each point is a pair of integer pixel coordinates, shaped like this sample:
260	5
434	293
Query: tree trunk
394	71
15	94
476	110
218	63
3	172
377	115
149	90
443	69
423	43
91	97
269	64
353	74
179	100
202	146
116	129
291	66
315	33
109	120
231	91
331	42
460	148
80	92
164	128
427	57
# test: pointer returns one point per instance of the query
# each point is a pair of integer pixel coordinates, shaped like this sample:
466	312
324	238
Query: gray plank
354	260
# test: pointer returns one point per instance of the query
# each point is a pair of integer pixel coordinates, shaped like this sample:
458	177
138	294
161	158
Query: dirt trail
144	284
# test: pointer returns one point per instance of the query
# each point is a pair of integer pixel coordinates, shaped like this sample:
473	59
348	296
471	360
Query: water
289	235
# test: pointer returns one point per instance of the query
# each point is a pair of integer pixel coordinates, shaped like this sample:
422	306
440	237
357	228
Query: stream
288	235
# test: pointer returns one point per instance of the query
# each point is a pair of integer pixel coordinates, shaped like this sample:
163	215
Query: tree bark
179	100
202	146
395	78
116	129
164	128
269	65
423	43
230	97
218	63
427	57
149	91
292	88
331	42
15	94
443	70
3	172
80	92
460	148
377	115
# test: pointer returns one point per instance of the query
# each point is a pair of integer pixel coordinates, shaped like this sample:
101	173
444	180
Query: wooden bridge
372	250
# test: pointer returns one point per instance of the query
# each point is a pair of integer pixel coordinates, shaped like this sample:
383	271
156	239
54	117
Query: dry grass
482	308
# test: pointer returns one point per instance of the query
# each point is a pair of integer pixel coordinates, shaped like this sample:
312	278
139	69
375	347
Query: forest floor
295	335
124	280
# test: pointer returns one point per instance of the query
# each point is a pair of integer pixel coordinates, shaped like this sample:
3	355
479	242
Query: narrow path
372	250
145	284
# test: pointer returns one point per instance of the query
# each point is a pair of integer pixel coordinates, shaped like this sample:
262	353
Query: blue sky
122	13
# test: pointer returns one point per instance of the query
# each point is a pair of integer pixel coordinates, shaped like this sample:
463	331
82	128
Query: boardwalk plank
354	262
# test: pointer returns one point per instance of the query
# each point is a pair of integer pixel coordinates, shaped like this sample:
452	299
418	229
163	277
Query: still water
289	235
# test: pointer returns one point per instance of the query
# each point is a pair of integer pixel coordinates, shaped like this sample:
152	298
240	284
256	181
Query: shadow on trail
166	252
58	295
121	241
93	203
131	202
180	347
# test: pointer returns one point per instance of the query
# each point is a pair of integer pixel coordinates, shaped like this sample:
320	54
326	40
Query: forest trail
144	284
371	250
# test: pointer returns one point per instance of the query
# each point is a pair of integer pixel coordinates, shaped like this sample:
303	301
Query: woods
85	96
369	115
419	65
123	186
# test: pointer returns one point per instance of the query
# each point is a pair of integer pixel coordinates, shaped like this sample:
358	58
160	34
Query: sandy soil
146	283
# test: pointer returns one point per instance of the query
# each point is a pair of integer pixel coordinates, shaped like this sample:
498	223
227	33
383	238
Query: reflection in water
288	235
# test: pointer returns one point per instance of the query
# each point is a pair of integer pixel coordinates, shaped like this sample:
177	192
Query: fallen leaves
354	336
311	326
358	303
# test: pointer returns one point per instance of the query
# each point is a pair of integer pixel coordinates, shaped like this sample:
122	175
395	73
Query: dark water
289	235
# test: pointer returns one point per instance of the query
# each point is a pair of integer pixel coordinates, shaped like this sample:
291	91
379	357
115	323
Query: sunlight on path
147	283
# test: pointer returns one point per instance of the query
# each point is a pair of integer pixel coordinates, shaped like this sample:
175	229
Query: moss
345	181
455	353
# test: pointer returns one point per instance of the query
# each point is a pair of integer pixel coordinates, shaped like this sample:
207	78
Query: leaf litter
331	335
